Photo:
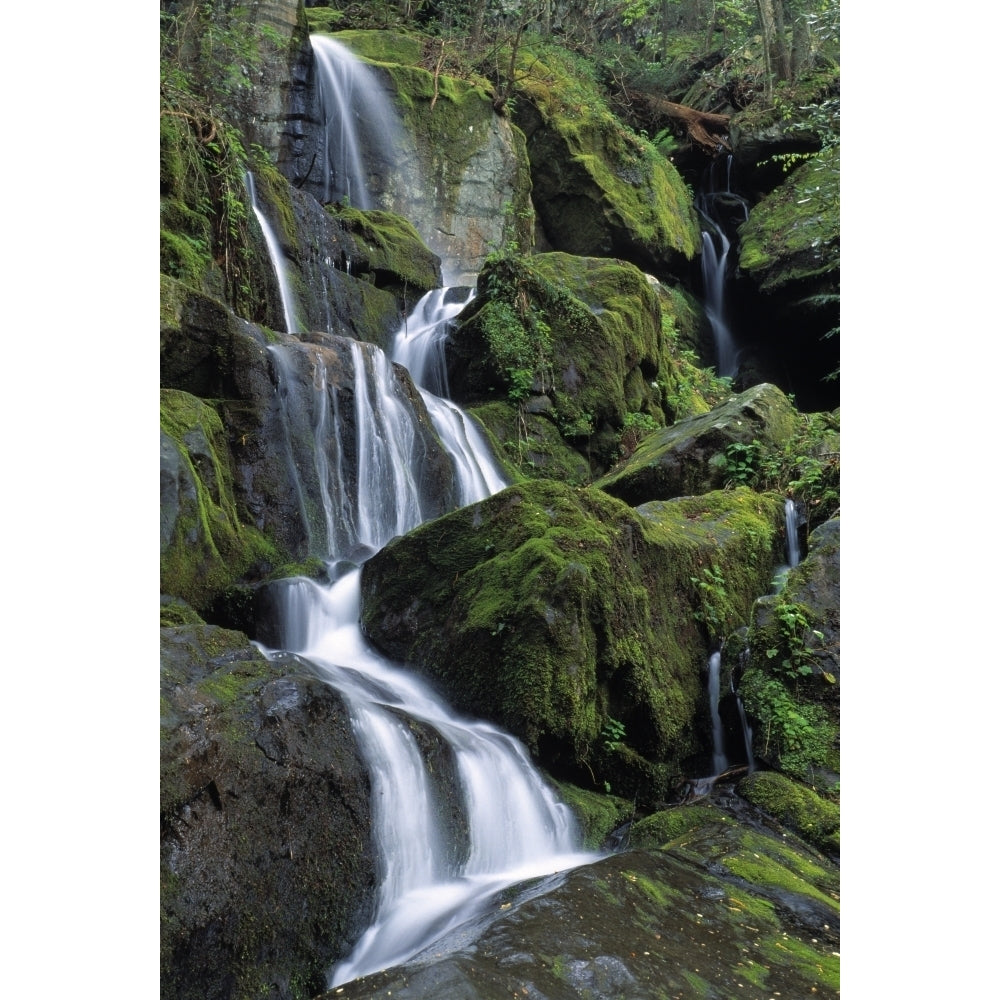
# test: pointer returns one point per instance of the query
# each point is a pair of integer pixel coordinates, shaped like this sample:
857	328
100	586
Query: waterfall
744	726
288	302
419	347
438	866
792	533
719	760
721	211
512	826
362	130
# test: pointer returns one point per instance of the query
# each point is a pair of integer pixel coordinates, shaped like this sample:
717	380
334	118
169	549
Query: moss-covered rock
266	868
552	610
599	814
599	190
689	457
715	909
797	807
204	547
574	341
792	236
791	685
390	250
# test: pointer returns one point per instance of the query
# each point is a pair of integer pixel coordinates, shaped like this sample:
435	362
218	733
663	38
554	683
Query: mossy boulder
712	909
797	807
689	457
791	685
204	545
792	236
388	248
267	873
598	189
552	610
575	341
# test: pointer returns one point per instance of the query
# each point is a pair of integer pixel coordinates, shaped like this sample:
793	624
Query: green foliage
793	653
799	734
206	51
689	389
807	468
612	735
743	462
716	611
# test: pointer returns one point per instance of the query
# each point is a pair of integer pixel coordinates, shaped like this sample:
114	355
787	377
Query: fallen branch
437	74
707	130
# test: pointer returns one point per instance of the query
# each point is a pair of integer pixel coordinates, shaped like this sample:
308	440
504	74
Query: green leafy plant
743	463
797	659
716	611
613	735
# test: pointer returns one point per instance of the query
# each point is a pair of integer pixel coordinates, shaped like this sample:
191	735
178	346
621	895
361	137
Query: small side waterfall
721	210
744	724
719	759
288	302
792	532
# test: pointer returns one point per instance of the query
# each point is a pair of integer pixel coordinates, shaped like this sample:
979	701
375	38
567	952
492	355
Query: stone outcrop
702	898
262	797
689	457
551	610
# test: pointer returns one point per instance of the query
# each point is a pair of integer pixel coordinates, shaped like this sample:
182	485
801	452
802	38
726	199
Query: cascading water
744	724
719	761
362	129
288	303
437	869
721	210
792	532
513	827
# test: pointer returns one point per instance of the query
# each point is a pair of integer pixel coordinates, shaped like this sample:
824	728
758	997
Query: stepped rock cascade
435	874
721	210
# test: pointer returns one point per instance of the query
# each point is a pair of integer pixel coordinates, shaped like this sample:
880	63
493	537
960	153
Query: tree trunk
772	24
802	57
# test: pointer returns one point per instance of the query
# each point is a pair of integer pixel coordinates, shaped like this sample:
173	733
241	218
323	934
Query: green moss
576	340
393	47
206	548
598	815
796	806
639	190
530	445
761	870
395	254
671	828
823	969
794	232
325	19
175	612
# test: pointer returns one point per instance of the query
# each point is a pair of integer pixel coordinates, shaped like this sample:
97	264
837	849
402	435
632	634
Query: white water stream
288	301
435	873
517	828
715	205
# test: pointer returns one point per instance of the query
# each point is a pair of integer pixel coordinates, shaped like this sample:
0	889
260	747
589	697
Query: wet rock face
267	873
547	609
688	458
646	924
